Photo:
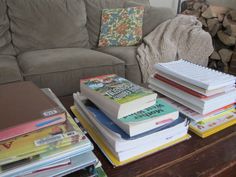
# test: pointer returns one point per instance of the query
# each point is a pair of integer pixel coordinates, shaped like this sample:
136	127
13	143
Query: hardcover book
118	96
25	108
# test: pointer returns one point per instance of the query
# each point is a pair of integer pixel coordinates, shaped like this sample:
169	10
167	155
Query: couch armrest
153	16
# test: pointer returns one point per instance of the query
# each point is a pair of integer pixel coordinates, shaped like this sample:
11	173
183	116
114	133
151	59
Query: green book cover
116	88
161	108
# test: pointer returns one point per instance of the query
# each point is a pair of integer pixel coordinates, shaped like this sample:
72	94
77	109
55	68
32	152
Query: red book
180	87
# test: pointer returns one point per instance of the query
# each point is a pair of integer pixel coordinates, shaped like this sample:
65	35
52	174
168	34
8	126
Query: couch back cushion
153	16
47	24
94	11
6	47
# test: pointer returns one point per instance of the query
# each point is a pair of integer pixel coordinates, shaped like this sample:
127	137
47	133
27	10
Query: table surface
213	156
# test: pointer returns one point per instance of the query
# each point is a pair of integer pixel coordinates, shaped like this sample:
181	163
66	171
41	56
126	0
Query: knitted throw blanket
179	38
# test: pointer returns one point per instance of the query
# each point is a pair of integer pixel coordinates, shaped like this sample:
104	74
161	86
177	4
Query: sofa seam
122	64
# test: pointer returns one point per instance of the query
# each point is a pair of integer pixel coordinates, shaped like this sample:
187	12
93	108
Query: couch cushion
153	16
62	69
94	11
128	55
47	24
9	70
6	47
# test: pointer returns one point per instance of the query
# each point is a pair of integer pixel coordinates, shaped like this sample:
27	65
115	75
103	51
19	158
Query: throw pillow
121	26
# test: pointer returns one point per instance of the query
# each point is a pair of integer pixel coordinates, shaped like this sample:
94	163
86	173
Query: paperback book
118	96
190	88
118	139
142	121
113	157
201	110
204	105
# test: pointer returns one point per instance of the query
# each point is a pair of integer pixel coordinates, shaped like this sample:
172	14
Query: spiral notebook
197	75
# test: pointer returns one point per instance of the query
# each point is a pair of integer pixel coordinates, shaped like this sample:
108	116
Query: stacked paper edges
118	146
56	150
206	96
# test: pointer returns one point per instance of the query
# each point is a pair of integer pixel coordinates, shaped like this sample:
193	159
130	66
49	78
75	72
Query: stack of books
37	135
125	120
206	96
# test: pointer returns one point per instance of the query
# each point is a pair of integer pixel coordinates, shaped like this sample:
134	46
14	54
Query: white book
145	147
187	100
115	140
200	76
226	98
194	87
195	116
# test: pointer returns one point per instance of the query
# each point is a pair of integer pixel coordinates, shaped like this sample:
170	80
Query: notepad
197	75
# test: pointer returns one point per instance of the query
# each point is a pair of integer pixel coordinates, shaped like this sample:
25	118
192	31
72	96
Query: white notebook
200	76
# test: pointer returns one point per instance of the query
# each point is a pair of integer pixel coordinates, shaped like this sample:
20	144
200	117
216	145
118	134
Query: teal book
116	95
159	114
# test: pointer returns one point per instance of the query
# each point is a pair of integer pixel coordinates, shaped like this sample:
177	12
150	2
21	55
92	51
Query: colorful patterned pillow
121	27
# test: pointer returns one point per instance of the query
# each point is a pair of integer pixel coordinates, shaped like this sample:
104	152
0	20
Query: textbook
205	129
190	88
187	101
25	108
214	102
117	138
200	76
138	153
142	121
116	95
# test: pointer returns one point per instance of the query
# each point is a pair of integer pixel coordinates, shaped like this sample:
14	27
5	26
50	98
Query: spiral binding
214	78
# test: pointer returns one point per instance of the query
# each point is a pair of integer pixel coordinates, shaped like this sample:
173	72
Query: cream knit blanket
179	38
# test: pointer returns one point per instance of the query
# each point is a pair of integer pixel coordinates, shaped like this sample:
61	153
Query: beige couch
54	42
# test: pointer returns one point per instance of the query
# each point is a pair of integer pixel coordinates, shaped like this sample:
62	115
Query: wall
174	3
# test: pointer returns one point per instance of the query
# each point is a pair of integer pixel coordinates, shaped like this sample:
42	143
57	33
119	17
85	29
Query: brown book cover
25	108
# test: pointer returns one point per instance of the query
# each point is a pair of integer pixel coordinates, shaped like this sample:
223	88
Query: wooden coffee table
214	156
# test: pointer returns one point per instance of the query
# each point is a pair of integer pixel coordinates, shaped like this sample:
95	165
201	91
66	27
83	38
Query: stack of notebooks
206	96
125	120
37	136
